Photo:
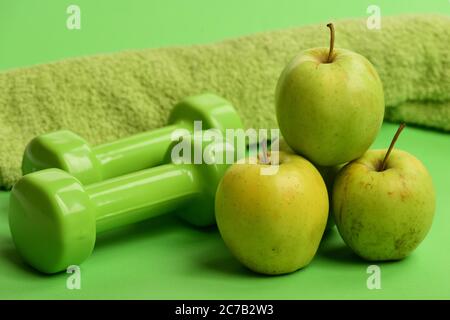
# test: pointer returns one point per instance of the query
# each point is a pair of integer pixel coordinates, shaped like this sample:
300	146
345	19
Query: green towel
106	97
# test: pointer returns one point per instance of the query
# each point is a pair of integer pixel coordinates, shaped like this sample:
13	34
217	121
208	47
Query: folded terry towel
106	97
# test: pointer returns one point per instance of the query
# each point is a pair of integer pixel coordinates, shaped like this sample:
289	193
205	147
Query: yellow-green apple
272	224
329	104
384	203
328	174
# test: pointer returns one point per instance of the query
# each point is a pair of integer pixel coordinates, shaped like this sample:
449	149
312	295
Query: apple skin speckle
273	224
389	219
309	92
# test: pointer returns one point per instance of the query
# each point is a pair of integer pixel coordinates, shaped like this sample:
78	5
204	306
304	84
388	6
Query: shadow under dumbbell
151	228
212	255
145	230
10	255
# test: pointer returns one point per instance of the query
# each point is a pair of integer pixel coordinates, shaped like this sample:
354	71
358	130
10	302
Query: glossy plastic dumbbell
69	152
54	218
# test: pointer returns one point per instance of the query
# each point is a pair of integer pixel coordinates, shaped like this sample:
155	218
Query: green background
163	258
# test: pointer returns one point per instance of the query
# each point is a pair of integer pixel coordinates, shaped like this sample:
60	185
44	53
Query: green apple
329	104
272	224
328	174
384	204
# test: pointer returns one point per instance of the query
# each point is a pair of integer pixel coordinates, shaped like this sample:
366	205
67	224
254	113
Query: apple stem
263	156
394	140
330	53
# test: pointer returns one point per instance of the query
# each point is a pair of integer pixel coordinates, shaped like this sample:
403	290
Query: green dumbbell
54	219
71	153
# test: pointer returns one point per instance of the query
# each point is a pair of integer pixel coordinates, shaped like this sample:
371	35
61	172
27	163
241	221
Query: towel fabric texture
110	96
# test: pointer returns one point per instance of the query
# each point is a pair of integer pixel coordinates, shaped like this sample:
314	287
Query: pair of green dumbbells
71	191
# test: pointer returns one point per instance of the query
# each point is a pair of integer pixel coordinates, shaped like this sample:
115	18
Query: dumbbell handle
68	151
144	150
143	194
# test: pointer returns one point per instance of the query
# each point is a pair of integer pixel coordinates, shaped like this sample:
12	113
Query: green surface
164	257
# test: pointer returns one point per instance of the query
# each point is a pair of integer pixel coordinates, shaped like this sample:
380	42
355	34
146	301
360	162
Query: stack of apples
330	107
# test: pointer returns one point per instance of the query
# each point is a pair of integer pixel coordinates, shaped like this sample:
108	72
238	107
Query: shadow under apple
332	247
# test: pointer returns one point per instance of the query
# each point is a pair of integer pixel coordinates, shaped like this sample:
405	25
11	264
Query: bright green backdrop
164	258
35	31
